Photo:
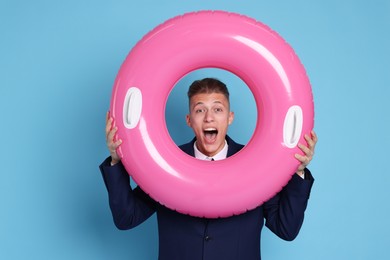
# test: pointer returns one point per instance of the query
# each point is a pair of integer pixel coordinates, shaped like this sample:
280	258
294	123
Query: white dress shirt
219	156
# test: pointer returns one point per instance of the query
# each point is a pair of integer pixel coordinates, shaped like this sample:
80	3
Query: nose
209	117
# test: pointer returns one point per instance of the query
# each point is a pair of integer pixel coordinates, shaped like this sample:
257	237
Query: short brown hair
207	85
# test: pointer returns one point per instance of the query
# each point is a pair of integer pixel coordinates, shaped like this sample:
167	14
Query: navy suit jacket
184	237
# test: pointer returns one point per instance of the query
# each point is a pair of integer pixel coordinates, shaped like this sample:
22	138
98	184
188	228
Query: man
185	237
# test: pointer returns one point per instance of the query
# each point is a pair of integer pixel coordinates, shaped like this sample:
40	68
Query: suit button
207	238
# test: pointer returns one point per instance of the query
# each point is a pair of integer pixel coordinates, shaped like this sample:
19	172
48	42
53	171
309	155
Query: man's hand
111	144
308	151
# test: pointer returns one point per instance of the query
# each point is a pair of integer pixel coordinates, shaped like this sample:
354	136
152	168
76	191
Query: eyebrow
202	103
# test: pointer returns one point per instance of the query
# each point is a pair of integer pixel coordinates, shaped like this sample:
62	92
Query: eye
218	109
199	110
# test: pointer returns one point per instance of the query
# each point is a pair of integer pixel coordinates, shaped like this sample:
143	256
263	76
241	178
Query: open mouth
210	134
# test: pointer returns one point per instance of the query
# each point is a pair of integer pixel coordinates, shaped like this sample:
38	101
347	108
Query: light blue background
58	61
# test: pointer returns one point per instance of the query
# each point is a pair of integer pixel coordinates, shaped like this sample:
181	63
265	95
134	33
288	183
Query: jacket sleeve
129	207
284	213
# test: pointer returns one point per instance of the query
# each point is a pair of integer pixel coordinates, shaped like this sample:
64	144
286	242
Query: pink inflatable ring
253	52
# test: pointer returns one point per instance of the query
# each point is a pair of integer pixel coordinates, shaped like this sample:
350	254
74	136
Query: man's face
209	118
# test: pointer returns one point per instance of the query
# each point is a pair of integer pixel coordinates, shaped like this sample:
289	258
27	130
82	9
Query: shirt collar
219	156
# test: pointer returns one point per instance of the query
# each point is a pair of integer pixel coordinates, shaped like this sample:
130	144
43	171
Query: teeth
210	129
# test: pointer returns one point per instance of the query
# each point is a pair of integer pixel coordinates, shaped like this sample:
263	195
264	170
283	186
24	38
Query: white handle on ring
132	107
292	127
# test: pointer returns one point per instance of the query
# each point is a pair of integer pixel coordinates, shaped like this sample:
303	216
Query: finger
314	137
107	117
304	160
311	142
114	147
117	144
108	126
306	150
111	135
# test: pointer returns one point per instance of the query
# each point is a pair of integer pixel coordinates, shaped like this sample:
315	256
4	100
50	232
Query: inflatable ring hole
242	103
